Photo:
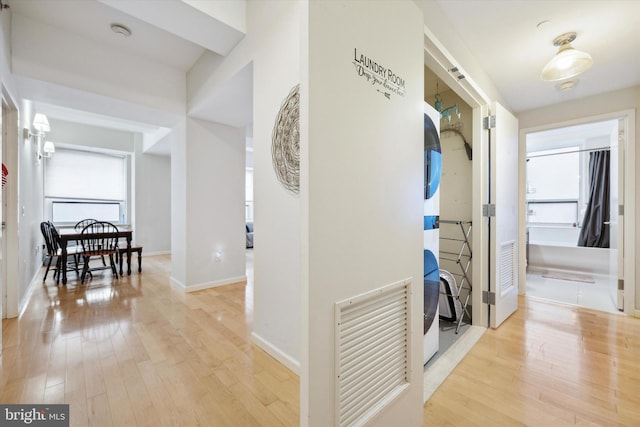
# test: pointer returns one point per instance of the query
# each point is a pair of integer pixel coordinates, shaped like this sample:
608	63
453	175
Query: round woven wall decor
285	142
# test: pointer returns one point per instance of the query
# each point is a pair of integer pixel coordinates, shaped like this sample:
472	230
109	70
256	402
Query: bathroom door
502	212
616	209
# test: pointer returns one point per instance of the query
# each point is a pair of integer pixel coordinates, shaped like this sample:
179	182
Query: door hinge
489	122
489	209
489	298
621	210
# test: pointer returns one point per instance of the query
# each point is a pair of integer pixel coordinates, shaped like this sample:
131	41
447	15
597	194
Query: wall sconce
48	149
41	124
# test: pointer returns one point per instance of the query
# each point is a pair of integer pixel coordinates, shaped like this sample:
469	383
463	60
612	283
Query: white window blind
85	175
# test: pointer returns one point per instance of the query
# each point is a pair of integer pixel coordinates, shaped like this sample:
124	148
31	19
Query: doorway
455	210
574	205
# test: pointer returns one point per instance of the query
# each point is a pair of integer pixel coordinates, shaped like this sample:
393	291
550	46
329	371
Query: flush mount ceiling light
568	62
567	85
120	29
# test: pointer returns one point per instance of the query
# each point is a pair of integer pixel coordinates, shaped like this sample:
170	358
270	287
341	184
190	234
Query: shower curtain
594	232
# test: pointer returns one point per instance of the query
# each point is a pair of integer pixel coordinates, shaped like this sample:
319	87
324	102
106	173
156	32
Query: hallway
143	353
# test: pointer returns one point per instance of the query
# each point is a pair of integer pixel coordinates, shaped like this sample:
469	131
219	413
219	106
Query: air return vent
372	352
507	266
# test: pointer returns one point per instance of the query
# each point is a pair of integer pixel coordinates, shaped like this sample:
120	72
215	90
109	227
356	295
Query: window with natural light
84	184
555	195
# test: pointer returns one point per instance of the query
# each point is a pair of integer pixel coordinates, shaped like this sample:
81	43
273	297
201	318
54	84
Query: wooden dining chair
53	246
97	245
80	225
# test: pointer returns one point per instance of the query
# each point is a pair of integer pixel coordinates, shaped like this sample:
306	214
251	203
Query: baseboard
289	362
176	283
145	254
208	285
22	304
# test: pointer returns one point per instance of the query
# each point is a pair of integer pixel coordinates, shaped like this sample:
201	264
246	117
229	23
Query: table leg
128	257
63	263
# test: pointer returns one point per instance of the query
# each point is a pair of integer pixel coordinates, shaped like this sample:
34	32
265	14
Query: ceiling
504	37
147	40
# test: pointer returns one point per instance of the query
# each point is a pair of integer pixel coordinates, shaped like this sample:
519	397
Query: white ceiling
502	35
92	19
504	38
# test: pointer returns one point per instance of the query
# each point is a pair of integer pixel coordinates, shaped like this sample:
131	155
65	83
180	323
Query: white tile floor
600	295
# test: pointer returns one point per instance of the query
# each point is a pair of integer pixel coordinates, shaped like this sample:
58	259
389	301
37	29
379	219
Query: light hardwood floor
548	365
136	351
139	352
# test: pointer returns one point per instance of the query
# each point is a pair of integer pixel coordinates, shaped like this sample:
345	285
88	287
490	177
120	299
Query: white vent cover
372	352
507	266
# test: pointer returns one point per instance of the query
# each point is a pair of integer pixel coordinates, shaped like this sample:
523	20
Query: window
554	187
83	184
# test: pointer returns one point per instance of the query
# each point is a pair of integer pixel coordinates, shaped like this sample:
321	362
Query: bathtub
555	248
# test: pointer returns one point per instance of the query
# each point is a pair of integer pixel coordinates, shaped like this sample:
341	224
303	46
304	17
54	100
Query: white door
616	209
503	216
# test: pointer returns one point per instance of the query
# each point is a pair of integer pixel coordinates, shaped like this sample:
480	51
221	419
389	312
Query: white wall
210	172
30	208
606	103
362	185
152	201
277	311
272	44
5	53
92	137
456	181
177	139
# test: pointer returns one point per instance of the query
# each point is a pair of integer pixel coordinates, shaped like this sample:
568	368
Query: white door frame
442	63
628	119
10	233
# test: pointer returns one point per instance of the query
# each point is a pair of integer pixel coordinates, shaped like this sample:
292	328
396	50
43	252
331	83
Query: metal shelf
459	232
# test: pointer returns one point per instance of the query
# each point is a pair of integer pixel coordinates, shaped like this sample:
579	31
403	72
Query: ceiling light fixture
121	29
568	62
567	85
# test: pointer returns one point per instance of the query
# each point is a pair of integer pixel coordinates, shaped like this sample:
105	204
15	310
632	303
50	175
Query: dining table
72	235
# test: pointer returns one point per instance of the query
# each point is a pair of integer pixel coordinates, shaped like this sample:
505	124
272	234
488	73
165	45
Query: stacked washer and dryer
432	172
